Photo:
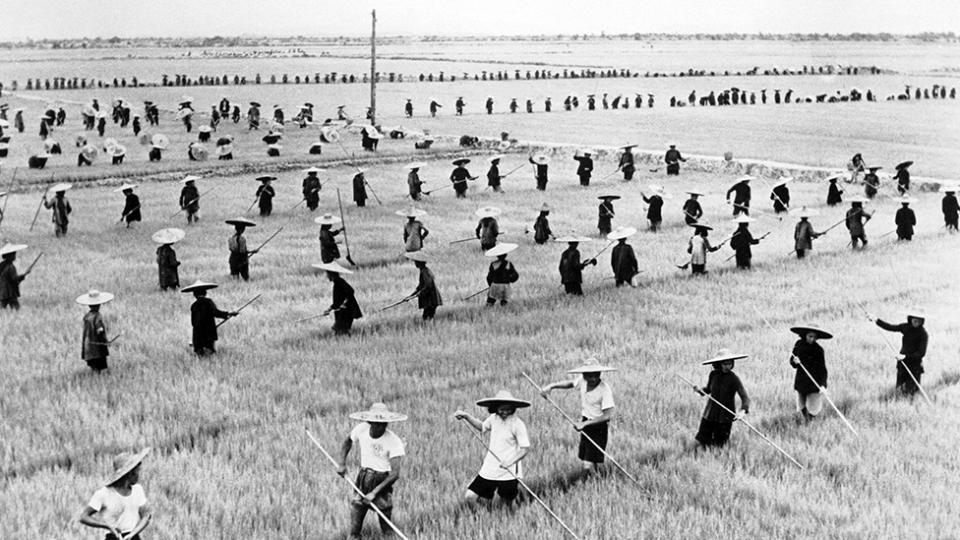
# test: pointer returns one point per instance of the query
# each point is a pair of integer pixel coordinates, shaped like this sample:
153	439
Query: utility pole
373	67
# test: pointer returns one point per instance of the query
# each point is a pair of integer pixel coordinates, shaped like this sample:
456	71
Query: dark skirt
587	451
713	433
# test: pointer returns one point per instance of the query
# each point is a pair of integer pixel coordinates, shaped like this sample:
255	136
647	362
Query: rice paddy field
231	459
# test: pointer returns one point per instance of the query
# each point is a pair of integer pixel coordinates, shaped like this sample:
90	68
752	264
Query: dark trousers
11	303
698	268
342	322
584	179
801	253
573	287
743	260
542	184
239	267
598	433
367	480
713	433
905	384
429	312
673	169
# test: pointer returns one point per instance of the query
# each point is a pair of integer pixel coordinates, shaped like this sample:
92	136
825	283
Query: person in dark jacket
626	165
723	385
741	241
239	255
834	193
203	318
95	347
265	194
913	347
414	184
541	227
501	274
344	306
487	229
673	159
459	177
167	263
190	198
808	359
427	294
61	208
571	269
803	233
780	195
540	163
131	205
623	259
493	175
654	207
950	208
905	219
692	212
311	188
871	182
855	220
360	188
9	278
605	214
489	105
585	167
903	177
741	196
329	251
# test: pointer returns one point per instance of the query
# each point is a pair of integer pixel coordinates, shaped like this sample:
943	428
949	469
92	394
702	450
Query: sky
36	19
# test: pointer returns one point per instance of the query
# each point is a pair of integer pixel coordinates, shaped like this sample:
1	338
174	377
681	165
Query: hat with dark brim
802	331
266	178
488	211
701	225
608	197
724	355
903	165
125	462
332	266
503	397
621	232
240	221
418	256
12	248
199	285
170	235
501	249
326	219
125	187
540	159
592	366
872	169
94	298
378	413
411	212
461	161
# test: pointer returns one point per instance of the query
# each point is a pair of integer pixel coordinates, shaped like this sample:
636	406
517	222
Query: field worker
585	167
414	184
155	154
239	255
626	164
428	296
487	229
381	459
571	269
623	259
741	196
591	102
459	106
489	105
235	115
780	195
605	214
950	208
414	233
529	105
328	243
596	410
834	193
871	182
494	177
203	318
253	116
190	198
9	278
741	240
509	441
94	348
808	353
672	157
692	212
131	205
803	233
513	105
87	154
344	306
120	506
265	195
905	219
360	188
167	263
547	104
913	347
723	385
408	108
654	206
501	274
855	220
61	208
541	227
539	163
903	177
434	106
459	177
136	125
698	246
311	188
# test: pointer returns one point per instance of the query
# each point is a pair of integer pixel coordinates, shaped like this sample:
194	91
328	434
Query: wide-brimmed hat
255	104
313	170
190	178
834	177
657	188
12	248
160	141
124	187
540	159
496	157
545	207
418	256
783	180
266	178
744	178
804	330
411	212
743	219
906	199
199	285
805	212
224	149
124	462
694	192
461	161
724	355
240	221
629	146
503	397
109	144
332	266
204	129
571	237
501	249
170	235
587	151
415	165
701	225
903	165
57	188
621	232
858	199
488	211
94	298
373	133
326	219
592	366
378	413
608	197
949	188
915	312
871	169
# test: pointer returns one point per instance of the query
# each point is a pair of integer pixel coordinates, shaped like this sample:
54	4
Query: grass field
231	458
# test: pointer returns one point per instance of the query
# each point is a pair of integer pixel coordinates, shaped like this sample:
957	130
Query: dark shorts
367	479
713	433
589	452
506	489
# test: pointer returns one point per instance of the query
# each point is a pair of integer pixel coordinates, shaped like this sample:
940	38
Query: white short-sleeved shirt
122	513
594	402
376	453
507	437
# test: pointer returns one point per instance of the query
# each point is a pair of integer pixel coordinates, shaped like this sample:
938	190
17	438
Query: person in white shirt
698	246
120	506
596	410
381	454
509	444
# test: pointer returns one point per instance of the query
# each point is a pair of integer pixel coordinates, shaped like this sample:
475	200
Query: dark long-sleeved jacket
741	193
541	229
94	343
428	296
812	358
203	317
950	208
167	264
624	262
905	219
834	194
502	271
655	208
742	240
359	189
61	209
585	167
571	271
131	209
780	195
328	245
265	195
692	212
190	199
913	345
344	300
9	281
493	176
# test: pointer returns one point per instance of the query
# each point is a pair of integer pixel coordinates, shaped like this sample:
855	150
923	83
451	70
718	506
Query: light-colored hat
540	159
783	180
621	232
571	237
57	188
160	141
326	219
240	221
628	146
488	211
743	219
378	413
495	157
858	199
694	192
170	235
332	266
124	187
834	176
592	366
199	285
418	256
411	212
12	248
501	249
804	330
94	298
415	165
204	129
125	462
803	211
724	355
545	207
118	150
190	178
906	200
225	149
745	178
313	170
109	144
657	188
949	188
503	397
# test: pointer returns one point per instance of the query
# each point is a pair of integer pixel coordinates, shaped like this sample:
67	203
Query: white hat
743	219
415	165
332	266
488	211
60	187
378	413
170	235
190	178
94	298
411	212
621	232
501	249
313	170
326	219
12	248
